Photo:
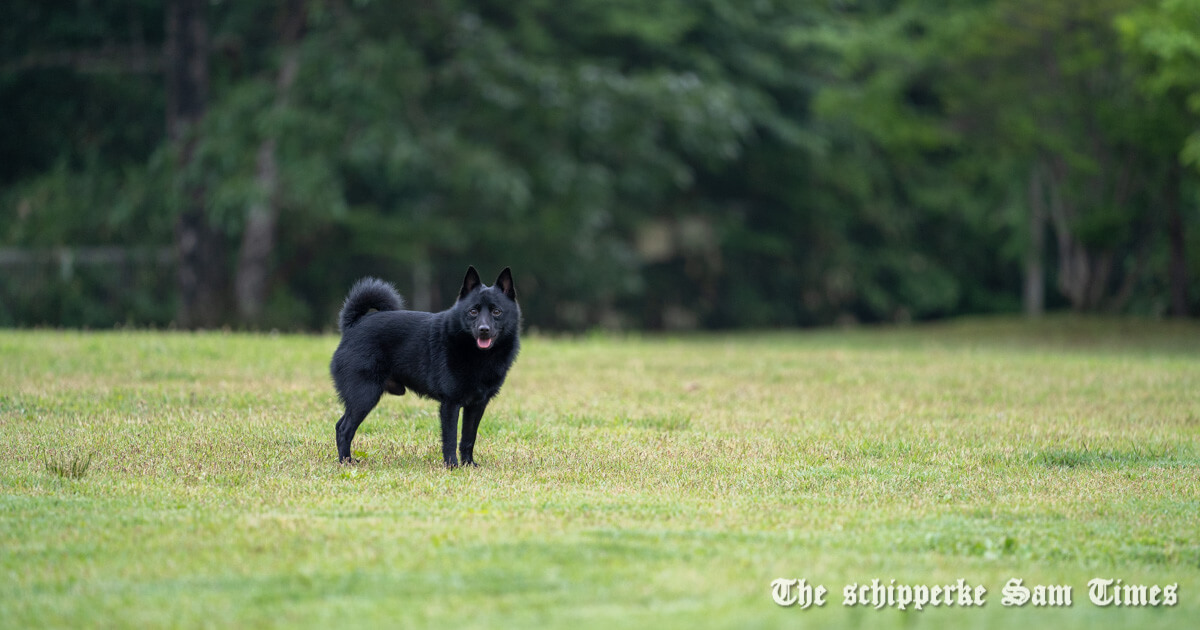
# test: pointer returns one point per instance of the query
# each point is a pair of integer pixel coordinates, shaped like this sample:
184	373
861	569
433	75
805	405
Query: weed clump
74	467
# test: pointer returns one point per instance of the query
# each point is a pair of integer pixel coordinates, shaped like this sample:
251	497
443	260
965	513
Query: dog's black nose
485	330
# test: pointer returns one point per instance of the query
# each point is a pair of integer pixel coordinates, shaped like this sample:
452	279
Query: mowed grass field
153	479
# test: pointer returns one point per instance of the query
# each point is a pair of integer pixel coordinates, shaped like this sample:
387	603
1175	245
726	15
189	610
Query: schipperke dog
458	357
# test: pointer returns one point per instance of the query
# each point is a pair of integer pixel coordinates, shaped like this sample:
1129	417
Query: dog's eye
473	312
496	312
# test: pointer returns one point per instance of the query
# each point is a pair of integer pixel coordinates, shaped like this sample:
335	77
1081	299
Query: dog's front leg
449	414
472	414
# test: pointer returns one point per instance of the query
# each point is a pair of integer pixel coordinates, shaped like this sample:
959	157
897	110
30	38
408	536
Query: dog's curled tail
366	295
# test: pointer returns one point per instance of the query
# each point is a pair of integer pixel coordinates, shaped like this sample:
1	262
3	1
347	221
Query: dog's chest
482	385
478	381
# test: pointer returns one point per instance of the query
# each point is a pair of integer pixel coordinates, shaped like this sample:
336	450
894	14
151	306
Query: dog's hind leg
360	399
472	414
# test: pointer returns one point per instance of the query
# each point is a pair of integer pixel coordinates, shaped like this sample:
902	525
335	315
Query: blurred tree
1046	83
1013	119
81	183
201	246
1164	38
259	233
521	133
927	236
675	164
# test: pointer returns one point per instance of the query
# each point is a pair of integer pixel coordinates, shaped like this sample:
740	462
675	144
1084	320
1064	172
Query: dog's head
490	313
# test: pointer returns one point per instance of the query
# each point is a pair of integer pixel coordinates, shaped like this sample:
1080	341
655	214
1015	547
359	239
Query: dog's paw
347	461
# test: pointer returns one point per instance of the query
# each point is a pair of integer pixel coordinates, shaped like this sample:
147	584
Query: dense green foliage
189	480
668	164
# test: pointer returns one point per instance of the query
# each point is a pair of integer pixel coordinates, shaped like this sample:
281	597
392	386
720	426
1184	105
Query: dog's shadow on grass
403	460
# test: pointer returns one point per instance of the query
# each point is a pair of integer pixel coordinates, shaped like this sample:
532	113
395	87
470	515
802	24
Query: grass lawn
189	480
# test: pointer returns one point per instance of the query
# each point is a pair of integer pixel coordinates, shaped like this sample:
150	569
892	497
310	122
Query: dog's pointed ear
505	282
470	282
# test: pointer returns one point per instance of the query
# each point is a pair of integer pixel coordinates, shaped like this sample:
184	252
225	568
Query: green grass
189	480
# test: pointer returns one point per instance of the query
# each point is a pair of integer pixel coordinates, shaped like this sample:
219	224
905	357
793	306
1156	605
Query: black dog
458	357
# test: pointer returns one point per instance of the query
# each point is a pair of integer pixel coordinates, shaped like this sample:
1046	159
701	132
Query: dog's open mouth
484	344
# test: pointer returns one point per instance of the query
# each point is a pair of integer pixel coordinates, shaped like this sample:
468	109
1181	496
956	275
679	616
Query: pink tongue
483	344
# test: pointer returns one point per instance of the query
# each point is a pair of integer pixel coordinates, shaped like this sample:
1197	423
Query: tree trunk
1082	274
201	249
1035	269
1072	259
258	240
